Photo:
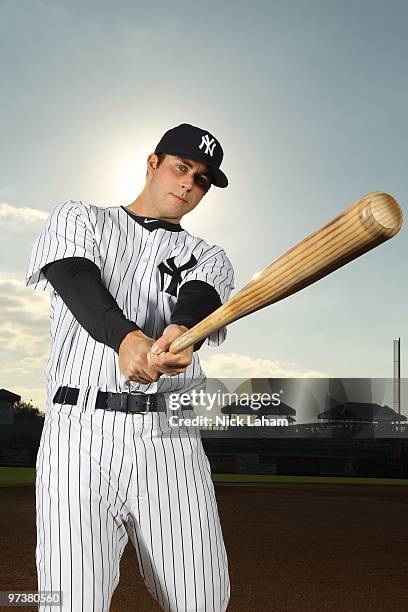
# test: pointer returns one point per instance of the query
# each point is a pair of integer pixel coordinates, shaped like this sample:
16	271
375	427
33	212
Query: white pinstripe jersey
143	264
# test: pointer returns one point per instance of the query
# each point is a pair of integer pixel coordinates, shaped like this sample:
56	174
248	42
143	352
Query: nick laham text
246	420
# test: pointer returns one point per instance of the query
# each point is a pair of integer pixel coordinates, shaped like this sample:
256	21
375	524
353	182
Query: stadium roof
8	395
359	411
251	407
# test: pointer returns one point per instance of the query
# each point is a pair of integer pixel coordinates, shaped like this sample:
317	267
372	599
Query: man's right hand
133	361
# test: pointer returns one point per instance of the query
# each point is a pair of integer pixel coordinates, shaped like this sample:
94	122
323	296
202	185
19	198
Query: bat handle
217	319
182	342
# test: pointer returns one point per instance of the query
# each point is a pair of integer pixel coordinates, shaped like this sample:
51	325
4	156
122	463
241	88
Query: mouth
179	198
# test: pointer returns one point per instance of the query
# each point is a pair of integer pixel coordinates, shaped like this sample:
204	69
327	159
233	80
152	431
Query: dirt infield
303	548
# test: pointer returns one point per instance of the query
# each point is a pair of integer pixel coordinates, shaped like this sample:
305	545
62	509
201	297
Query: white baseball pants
103	477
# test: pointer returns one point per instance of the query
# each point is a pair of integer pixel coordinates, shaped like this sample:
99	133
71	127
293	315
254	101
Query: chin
171	215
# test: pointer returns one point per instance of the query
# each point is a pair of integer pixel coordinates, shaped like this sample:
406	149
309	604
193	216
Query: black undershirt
78	281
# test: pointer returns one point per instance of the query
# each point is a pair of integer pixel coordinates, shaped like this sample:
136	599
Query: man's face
176	186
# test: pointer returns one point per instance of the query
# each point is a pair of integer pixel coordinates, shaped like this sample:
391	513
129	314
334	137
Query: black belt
121	402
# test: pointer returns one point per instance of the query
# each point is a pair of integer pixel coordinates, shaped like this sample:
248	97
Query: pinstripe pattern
115	476
105	477
128	254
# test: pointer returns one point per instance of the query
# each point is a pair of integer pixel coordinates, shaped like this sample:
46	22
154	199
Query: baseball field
294	544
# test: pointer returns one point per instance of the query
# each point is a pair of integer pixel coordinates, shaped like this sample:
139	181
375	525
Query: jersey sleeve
68	232
214	267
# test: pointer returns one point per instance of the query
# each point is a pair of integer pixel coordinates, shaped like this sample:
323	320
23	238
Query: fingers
148	368
141	371
170	333
139	379
144	360
144	380
165	362
171	371
169	361
156	364
162	344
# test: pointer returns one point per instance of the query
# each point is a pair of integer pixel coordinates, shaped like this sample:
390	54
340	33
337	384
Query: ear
151	164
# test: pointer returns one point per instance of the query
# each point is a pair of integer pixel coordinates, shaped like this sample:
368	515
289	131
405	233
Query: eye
182	167
202	180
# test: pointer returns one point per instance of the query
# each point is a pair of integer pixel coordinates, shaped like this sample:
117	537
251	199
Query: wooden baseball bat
373	219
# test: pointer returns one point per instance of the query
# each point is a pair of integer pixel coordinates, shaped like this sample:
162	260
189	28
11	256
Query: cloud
234	365
24	339
20	214
23	318
25	371
24	314
19	226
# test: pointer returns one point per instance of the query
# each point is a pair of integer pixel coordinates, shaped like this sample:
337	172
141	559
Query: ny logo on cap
209	144
170	268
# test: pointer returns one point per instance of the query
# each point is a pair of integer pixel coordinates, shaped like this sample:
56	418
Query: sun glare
131	174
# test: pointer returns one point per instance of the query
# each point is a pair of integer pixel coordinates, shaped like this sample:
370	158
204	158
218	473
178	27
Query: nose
187	182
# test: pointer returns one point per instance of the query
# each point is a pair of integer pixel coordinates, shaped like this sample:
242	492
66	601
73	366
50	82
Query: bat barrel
373	219
383	212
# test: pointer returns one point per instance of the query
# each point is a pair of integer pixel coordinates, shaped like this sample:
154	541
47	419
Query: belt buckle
147	405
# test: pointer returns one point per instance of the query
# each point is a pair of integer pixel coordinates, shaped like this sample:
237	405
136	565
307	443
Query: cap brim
219	178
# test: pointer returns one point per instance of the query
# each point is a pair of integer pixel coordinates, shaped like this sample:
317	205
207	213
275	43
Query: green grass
22	477
17	476
271	479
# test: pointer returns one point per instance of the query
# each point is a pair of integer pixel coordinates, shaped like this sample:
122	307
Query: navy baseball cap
192	142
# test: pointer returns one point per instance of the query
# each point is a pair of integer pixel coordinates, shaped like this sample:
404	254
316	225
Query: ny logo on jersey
169	267
208	144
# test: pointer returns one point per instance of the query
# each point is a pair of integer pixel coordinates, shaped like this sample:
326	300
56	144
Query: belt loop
90	399
82	398
164	399
124	401
52	390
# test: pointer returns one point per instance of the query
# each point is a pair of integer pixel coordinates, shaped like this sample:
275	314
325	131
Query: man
124	283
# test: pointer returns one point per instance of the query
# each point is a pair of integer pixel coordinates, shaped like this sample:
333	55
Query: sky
309	102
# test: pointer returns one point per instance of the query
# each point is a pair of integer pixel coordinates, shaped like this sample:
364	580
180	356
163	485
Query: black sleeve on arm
196	300
78	281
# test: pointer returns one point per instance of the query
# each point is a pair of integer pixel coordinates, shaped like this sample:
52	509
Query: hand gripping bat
373	219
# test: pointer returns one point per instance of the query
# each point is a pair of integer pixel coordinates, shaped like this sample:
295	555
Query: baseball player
125	282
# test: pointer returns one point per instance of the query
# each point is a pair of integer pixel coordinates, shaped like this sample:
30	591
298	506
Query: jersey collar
150	223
